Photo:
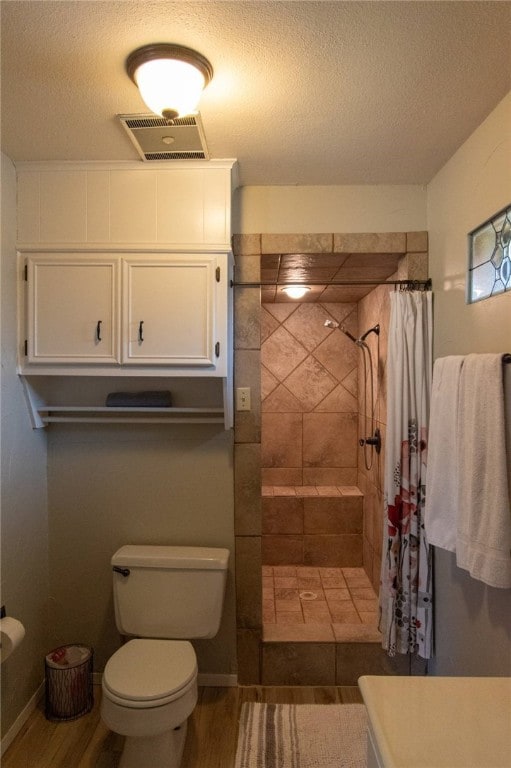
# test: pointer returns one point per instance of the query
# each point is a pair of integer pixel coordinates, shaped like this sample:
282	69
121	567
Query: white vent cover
156	139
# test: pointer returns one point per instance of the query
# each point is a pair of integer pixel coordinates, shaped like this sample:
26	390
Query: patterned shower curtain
406	611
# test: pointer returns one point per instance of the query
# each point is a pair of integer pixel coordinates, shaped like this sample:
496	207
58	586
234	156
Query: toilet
163	597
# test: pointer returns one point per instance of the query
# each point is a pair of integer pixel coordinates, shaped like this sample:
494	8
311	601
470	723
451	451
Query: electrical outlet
243	399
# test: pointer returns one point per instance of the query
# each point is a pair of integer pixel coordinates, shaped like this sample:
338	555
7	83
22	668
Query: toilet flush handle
123	571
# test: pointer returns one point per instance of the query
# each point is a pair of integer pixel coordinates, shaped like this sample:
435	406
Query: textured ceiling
303	92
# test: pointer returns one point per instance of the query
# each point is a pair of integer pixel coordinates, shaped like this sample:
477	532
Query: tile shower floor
318	604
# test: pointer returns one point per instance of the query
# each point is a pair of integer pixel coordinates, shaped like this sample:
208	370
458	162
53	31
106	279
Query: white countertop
439	722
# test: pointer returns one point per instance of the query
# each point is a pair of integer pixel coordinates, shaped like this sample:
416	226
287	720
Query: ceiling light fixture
170	78
295	291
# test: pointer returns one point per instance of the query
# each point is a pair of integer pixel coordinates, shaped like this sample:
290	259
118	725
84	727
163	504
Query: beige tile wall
309	390
256	661
312	530
308	430
247	459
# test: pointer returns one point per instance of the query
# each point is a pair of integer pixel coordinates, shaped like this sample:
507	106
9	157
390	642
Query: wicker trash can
69	691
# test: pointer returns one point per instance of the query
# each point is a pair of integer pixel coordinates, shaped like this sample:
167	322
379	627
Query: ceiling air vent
155	139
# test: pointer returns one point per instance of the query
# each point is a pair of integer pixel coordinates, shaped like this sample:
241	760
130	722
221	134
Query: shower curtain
406	619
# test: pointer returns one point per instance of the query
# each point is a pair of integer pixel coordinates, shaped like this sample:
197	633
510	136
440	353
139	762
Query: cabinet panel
28	209
63	207
180	213
168	311
72	310
168	205
216	207
133	197
98	206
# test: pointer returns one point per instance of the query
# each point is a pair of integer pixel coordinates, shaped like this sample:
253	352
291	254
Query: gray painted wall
110	485
473	621
24	571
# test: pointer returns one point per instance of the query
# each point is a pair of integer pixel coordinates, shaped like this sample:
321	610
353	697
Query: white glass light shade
169	85
170	77
295	291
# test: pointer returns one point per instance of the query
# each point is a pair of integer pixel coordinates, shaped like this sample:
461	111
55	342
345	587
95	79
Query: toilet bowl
149	691
163	597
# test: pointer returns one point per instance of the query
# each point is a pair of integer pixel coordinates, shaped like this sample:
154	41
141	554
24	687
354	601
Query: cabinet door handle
140	333
98	330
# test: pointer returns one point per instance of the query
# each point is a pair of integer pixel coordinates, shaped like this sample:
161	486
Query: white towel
483	545
441	507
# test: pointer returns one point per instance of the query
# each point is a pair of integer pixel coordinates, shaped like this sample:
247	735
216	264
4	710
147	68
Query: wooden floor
210	742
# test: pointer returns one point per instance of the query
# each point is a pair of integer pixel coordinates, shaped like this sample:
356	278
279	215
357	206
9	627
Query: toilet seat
150	673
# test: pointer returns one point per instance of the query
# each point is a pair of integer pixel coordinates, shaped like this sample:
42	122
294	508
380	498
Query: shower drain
308	596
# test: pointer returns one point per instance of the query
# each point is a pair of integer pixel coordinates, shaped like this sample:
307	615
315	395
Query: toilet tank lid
150	556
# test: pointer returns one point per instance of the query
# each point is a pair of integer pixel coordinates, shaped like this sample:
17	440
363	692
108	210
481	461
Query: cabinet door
168	306
72	310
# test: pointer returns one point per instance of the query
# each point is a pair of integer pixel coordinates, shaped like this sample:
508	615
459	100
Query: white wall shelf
81	399
54	414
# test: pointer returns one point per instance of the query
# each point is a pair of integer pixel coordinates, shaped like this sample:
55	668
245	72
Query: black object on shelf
146	399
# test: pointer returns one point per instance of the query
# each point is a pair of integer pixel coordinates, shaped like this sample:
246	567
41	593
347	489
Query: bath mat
302	736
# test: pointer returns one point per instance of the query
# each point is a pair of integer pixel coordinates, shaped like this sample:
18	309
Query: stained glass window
489	269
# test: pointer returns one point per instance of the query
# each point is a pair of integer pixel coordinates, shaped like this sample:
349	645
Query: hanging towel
483	545
442	464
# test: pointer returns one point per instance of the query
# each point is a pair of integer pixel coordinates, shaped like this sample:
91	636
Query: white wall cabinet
140	311
128	282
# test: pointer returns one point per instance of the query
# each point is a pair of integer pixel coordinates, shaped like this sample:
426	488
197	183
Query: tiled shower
312	510
308	512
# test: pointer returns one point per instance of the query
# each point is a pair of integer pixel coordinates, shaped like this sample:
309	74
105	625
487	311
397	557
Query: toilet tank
169	592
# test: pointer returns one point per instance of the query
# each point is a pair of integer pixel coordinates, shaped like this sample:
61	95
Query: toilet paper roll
12	633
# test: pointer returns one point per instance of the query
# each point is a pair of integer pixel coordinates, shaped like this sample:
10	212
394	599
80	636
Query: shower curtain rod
424	284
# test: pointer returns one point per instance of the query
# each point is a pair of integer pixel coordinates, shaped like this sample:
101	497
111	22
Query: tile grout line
297	570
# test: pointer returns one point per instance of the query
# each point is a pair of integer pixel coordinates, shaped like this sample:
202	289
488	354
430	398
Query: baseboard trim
21	719
217	681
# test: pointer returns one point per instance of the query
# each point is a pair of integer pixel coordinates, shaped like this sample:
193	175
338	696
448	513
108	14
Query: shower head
333	324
